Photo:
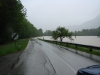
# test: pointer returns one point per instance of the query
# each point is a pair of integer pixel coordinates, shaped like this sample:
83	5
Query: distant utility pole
75	34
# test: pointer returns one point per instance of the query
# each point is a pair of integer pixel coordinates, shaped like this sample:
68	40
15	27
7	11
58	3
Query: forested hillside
13	19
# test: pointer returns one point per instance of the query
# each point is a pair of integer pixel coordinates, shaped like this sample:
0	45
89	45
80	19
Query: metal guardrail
76	45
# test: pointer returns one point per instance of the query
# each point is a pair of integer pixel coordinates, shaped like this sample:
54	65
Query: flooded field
87	40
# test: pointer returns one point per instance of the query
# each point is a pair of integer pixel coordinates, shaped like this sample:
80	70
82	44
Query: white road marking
66	63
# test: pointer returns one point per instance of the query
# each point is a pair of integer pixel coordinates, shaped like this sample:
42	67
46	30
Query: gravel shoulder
8	62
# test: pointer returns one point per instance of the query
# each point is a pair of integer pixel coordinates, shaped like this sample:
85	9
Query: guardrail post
67	46
90	49
60	43
56	42
76	48
91	53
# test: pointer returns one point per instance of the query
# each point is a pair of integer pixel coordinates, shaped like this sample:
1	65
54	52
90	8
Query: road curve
64	61
41	58
33	61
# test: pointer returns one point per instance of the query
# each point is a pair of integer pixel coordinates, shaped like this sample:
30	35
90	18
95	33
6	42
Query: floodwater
86	40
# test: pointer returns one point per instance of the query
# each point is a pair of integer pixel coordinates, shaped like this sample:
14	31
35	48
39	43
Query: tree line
88	32
47	33
13	19
84	32
62	32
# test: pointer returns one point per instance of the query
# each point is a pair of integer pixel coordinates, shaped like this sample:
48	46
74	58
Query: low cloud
51	14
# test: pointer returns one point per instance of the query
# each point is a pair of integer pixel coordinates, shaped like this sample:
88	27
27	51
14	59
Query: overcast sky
49	14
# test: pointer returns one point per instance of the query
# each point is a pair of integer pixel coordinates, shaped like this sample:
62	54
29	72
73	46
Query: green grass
11	48
83	49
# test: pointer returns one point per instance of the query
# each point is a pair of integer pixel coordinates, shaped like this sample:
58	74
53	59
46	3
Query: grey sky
49	14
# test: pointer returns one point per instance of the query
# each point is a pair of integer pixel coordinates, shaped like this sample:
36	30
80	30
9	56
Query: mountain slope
94	23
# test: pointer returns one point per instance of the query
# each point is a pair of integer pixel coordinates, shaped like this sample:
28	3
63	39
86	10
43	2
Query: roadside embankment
9	55
13	47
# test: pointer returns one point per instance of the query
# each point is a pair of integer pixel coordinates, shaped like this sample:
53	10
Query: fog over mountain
94	23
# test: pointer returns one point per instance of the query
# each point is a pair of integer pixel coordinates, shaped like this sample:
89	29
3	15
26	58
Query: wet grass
83	49
11	48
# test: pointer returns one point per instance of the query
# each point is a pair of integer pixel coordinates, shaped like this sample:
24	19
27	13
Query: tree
13	19
61	32
12	13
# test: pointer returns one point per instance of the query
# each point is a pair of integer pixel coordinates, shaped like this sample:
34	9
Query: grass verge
11	48
83	49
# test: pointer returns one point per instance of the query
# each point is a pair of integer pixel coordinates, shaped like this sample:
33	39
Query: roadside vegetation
10	47
13	20
83	49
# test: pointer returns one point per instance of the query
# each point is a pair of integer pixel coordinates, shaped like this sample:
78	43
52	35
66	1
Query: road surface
41	58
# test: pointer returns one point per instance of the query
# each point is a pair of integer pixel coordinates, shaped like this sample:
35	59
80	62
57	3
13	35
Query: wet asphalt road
41	58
